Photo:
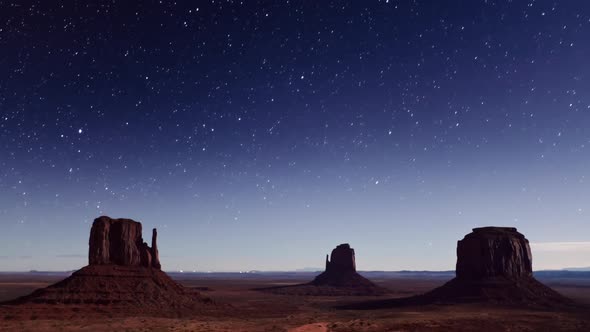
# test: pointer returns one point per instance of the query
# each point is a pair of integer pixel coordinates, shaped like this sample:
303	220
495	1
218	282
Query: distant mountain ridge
577	269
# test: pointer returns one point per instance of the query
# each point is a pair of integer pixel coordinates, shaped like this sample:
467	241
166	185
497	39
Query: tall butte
123	275
494	265
494	252
339	278
340	269
119	242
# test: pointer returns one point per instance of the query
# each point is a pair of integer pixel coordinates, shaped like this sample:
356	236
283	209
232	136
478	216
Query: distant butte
494	265
123	275
339	278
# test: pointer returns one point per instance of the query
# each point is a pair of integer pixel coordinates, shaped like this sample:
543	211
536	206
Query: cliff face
491	252
119	242
341	260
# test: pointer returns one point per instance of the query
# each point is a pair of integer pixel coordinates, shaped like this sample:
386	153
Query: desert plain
238	305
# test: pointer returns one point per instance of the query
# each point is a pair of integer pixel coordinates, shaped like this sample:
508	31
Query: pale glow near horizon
546	256
559	255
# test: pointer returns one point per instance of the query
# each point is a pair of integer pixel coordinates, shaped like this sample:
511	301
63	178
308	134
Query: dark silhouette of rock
119	242
155	255
341	270
494	265
341	260
339	278
490	252
123	274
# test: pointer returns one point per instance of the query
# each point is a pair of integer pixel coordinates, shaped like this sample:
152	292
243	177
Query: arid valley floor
239	307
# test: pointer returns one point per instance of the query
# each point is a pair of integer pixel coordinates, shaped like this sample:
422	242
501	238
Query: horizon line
254	271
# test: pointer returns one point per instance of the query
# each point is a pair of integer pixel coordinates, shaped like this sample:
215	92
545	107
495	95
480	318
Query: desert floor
240	308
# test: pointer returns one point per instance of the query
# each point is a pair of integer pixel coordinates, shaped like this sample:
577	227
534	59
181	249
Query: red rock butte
123	276
341	269
119	242
339	279
494	265
341	260
492	252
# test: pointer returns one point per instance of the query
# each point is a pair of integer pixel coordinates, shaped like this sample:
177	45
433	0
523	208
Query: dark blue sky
259	135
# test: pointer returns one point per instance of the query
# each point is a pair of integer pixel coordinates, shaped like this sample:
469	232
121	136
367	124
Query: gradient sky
259	134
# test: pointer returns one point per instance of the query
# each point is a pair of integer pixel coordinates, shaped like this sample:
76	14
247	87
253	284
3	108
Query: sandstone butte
339	279
123	275
494	265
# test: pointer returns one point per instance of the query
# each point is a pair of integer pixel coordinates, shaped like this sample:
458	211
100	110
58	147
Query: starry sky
261	134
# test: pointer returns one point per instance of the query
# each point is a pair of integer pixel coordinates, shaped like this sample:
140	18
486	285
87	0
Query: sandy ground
240	308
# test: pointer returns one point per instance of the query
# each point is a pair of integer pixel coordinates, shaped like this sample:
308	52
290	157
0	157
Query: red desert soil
239	308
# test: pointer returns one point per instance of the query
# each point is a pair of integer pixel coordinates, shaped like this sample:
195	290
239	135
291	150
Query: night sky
261	134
